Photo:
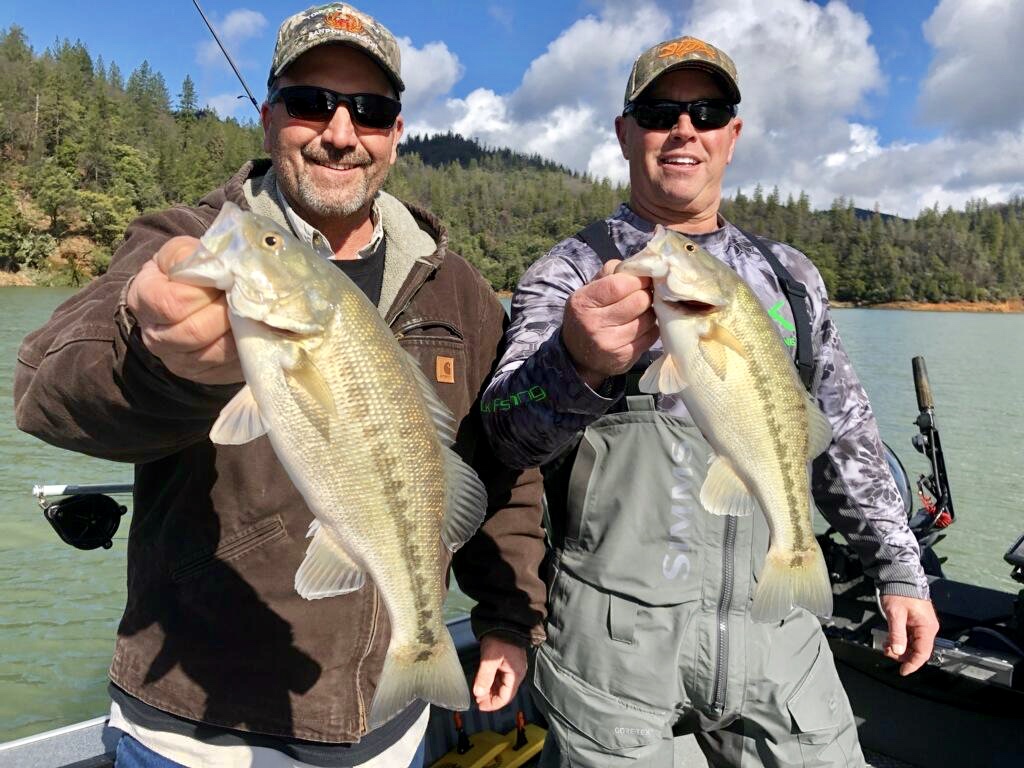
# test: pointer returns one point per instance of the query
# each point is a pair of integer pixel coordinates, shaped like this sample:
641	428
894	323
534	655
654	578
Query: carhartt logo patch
681	48
344	22
444	369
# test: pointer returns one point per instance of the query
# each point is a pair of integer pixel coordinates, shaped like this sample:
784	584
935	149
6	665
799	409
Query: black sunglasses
662	114
310	102
85	521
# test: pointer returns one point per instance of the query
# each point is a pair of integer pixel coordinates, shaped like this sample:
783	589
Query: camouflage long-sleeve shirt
536	403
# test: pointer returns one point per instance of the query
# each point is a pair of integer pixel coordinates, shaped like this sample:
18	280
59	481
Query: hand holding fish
186	326
608	324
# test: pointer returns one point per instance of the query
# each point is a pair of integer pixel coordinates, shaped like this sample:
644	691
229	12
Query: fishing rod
227	56
939	507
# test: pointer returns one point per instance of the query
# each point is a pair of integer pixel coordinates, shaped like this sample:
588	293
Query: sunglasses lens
662	115
306	102
375	111
708	115
656	117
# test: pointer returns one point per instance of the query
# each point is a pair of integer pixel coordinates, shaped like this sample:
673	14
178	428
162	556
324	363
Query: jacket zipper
724	604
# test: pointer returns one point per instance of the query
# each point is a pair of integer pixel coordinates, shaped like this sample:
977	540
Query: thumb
897	641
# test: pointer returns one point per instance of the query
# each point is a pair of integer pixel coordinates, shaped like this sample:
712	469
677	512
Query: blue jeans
131	754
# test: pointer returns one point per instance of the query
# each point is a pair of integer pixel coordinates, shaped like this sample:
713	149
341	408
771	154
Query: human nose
340	130
683	128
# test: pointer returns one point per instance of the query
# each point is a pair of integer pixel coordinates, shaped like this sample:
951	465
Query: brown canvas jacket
213	629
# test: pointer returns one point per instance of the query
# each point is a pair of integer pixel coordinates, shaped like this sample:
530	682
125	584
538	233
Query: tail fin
790	579
439	679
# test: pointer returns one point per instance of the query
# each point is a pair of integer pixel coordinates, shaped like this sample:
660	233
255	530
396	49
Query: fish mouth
691	306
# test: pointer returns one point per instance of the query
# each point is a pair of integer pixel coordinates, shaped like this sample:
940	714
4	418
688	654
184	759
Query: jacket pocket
232	547
440	349
592	727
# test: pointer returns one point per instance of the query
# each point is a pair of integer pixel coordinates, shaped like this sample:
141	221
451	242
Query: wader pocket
820	714
593	728
624	648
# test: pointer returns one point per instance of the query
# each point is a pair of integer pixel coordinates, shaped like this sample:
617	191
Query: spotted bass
727	361
360	432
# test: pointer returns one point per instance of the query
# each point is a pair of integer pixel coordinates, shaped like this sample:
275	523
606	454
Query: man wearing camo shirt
649	629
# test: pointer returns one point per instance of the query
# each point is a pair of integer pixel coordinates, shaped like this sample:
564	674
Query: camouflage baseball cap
341	24
681	53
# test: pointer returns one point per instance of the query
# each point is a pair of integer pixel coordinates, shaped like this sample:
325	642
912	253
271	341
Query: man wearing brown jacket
218	661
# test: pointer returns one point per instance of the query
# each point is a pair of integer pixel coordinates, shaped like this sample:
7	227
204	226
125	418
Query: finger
156	300
196	331
174	250
216	364
608	267
915	658
610	289
505	691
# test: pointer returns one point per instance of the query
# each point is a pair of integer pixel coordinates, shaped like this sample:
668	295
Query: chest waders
649	630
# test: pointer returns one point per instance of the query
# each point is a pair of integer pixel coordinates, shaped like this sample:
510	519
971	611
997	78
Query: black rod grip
924	389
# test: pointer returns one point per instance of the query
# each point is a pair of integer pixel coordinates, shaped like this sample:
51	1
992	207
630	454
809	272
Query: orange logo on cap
681	48
344	22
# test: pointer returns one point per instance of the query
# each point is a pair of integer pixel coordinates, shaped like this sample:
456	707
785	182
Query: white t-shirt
198	754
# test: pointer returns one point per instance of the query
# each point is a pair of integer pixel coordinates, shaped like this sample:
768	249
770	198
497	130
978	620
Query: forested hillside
85	149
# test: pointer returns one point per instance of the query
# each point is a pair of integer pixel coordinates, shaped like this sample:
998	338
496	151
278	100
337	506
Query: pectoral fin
662	376
327	569
724	493
239	421
312	394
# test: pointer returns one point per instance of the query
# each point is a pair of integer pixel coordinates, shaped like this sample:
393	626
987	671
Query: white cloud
429	72
806	72
236	28
976	80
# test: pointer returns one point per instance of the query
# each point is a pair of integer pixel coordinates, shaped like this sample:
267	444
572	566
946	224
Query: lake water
59	607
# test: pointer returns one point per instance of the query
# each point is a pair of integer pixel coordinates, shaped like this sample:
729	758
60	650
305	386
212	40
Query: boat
965	707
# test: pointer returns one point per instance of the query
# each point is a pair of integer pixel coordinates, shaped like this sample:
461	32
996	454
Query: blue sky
904	104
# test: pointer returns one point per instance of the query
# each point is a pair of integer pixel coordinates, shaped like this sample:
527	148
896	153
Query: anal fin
327	569
724	493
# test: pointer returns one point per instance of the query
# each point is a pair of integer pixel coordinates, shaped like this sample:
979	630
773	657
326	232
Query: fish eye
691	247
270	240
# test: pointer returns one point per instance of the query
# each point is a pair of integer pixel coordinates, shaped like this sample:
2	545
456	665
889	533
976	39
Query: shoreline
1010	306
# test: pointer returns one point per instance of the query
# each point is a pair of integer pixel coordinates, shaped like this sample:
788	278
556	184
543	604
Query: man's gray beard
311	199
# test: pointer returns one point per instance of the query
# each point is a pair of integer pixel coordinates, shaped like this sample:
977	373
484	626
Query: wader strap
621	618
796	295
639	403
597	236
